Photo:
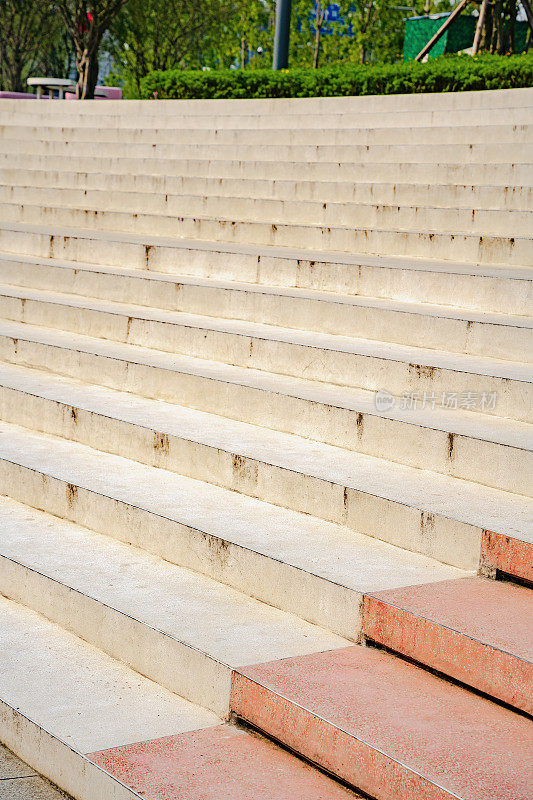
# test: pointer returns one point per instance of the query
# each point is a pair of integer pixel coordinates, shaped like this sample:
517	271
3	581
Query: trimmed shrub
443	74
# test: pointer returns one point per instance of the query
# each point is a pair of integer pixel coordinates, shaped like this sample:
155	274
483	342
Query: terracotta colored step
507	554
216	763
477	631
388	727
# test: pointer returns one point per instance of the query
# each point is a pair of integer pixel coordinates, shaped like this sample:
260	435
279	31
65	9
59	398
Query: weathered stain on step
218	548
244	469
74	414
51	246
360	424
147	253
72	494
422	370
451	444
161	443
427	524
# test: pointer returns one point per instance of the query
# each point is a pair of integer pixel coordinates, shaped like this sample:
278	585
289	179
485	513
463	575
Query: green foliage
32	40
159	34
443	74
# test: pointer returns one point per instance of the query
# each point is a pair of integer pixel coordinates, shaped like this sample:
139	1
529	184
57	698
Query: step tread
501	430
254	223
221	432
190	608
477	631
430	309
30	131
161	183
315	546
457	362
148	741
80	695
321	256
497	614
271	144
361	699
88	198
195	765
451	497
469	424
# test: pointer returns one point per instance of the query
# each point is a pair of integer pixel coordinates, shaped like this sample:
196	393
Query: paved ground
20	782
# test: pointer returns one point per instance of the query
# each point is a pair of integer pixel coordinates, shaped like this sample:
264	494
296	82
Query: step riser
414	118
336	751
513	398
505	174
506	554
516	198
293	312
498	222
170	663
446	540
478	292
464	134
477	248
492	98
317	600
495	672
497	153
490	464
48	755
507	342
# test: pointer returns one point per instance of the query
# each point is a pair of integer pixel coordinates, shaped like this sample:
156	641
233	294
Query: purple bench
17	96
104	93
101	93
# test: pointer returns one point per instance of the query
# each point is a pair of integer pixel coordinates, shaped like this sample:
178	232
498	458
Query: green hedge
443	74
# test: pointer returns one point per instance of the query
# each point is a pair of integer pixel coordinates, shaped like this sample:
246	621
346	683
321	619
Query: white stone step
466	444
439	195
295	562
402	105
494	152
421	243
239	299
338	134
431	326
182	630
449	173
62	699
342	360
497	222
343	112
438	515
493	98
245	458
432	172
272	314
488	288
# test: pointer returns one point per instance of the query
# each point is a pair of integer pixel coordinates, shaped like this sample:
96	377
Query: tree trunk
87	67
319	21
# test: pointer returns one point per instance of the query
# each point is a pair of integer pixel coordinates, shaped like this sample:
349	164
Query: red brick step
217	763
477	631
388	727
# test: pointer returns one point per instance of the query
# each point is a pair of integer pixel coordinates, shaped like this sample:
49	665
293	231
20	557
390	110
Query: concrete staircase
265	447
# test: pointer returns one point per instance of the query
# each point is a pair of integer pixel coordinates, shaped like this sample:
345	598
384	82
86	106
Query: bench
51	85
